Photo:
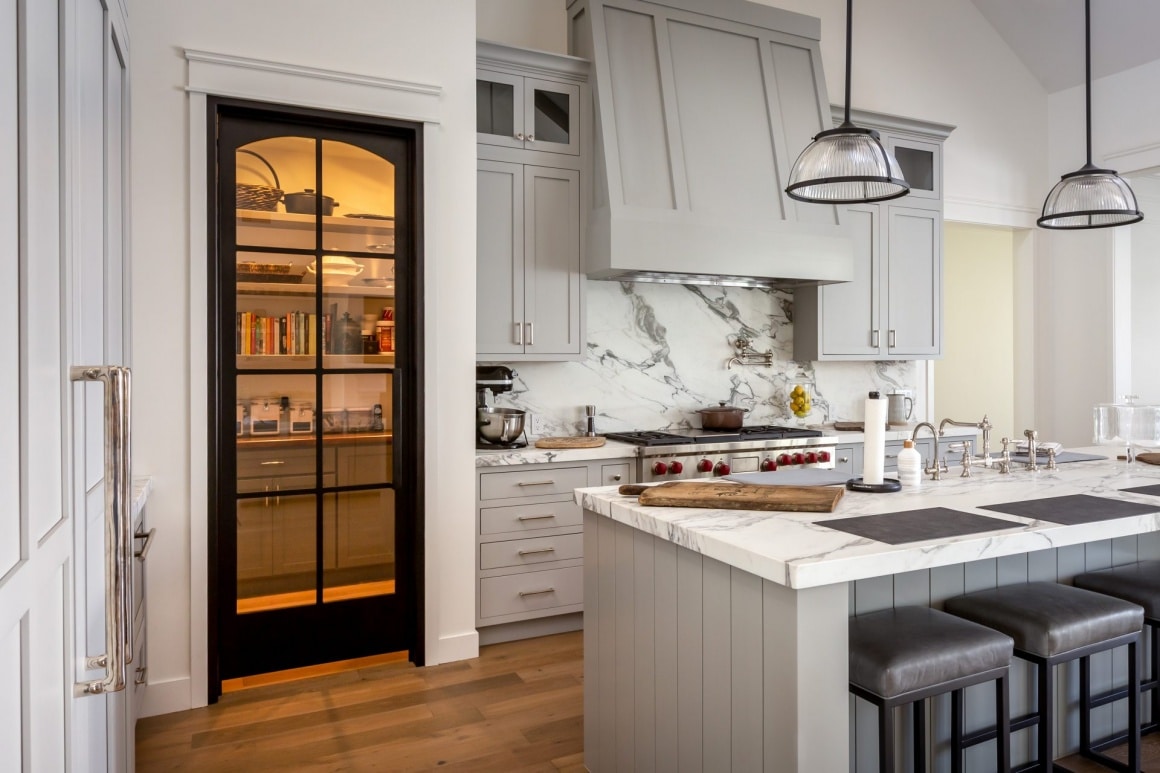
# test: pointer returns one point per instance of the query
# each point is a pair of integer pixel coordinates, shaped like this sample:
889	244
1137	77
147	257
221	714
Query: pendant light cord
1087	26
849	50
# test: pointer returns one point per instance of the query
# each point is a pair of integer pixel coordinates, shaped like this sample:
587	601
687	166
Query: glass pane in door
274	182
495	108
276	319
358	301
363	546
359	197
553	116
357	426
277	553
917	167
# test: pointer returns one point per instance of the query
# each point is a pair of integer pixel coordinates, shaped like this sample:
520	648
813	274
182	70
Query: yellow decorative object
800	402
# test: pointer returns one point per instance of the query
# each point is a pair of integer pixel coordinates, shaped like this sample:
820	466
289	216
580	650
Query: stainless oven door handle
118	529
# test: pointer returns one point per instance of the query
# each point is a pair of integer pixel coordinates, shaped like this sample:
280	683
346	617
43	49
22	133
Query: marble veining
795	549
658	352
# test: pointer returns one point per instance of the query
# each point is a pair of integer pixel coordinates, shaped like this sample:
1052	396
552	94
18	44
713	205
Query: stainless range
707	454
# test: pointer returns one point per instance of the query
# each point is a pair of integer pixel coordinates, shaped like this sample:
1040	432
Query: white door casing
62	302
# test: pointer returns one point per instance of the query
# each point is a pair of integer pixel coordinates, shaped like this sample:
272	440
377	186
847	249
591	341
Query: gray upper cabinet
530	183
892	310
516	110
528	285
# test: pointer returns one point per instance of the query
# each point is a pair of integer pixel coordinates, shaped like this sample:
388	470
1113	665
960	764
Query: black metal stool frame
1046	703
959	742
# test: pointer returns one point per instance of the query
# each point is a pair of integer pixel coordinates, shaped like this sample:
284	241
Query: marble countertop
612	449
796	550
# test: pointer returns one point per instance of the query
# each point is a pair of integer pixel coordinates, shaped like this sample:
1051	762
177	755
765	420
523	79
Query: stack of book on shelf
293	333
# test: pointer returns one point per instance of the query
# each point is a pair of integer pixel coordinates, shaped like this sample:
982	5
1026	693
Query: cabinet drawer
274	485
847	459
521	552
531	591
269	463
614	474
531	483
549	515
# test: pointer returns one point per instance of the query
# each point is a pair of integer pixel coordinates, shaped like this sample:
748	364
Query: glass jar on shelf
801	397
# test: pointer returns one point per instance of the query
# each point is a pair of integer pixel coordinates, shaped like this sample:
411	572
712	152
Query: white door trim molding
242	77
282	83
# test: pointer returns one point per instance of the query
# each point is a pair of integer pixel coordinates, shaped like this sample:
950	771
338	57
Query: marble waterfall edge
657	353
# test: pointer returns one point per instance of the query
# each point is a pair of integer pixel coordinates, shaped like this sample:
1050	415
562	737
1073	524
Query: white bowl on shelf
336	269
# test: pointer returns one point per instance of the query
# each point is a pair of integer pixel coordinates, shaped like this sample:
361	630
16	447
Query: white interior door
61	304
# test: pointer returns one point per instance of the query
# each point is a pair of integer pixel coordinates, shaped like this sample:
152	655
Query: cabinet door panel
550	116
914	289
921	164
849	310
552	261
500	258
499	109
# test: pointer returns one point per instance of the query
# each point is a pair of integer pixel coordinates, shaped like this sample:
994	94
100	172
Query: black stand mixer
496	427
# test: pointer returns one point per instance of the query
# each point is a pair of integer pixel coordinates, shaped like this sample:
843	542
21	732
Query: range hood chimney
701	108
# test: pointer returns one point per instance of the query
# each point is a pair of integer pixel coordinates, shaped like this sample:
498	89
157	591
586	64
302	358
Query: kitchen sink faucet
936	470
984	425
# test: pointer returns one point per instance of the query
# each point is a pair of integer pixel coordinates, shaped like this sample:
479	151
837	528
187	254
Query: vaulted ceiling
1047	35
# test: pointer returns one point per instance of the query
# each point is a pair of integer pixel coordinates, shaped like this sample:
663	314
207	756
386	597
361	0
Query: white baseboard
166	697
460	646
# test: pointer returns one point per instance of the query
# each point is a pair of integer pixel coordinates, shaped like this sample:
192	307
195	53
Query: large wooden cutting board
741	496
1148	457
570	442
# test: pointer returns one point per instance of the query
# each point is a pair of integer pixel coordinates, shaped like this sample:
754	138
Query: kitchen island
717	638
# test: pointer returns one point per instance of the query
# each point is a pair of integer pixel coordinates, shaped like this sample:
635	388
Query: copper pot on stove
722	416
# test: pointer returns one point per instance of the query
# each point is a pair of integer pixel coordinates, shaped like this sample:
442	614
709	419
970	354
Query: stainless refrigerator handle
118	529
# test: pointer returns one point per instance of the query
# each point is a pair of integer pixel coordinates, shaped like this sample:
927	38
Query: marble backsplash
658	352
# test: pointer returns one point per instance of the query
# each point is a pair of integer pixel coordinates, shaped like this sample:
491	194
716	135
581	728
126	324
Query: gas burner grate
649	438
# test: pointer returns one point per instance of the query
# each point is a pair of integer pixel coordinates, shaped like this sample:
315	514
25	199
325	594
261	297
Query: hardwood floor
517	707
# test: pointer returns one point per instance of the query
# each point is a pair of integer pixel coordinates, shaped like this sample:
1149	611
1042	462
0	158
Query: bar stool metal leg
886	739
1003	731
1045	730
919	709
957	731
1085	699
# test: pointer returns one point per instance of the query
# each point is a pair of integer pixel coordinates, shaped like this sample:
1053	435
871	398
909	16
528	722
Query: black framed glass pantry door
315	389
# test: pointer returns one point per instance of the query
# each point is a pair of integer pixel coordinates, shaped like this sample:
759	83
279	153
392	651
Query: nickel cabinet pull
536	592
144	551
531	340
535	483
519	333
536	550
535	517
874	338
893	340
141	675
118	530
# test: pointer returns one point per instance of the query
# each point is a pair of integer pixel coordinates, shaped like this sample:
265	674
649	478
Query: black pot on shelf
304	202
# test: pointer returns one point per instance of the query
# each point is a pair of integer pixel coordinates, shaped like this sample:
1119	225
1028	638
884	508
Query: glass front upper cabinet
921	166
514	111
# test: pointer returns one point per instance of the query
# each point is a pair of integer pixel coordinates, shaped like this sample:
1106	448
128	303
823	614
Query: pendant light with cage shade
849	164
1089	197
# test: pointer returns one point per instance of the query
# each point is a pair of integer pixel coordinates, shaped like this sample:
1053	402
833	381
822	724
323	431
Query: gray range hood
701	108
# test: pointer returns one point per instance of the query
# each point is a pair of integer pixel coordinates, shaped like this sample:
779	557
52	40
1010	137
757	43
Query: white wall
1144	376
976	375
413	40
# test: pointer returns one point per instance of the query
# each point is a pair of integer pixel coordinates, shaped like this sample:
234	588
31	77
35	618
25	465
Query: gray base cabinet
892	310
529	537
849	456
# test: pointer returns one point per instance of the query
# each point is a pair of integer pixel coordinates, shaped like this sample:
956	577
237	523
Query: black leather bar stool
1054	624
1138	583
908	654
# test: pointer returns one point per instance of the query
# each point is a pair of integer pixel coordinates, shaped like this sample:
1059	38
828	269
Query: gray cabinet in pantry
892	310
530	184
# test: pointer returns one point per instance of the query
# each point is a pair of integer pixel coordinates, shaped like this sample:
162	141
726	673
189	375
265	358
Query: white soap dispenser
909	465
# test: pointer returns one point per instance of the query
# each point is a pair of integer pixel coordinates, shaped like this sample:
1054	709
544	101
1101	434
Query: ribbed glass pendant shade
1090	198
847	165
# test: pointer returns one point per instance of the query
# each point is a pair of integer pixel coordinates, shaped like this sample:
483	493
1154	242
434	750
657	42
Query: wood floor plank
515	708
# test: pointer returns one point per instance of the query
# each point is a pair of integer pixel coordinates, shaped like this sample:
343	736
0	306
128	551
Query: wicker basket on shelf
259	197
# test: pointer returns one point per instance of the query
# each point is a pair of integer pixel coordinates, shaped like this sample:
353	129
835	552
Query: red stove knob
676	468
799	459
811	458
704	465
823	456
660	468
768	465
721	469
783	459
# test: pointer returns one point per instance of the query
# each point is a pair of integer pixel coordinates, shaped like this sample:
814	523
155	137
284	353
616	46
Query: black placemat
917	525
1073	509
1153	490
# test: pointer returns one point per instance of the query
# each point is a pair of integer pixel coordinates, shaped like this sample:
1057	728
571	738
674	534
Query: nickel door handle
535	551
535	517
118	531
893	340
141	672
531	340
536	592
531	138
520	136
844	459
535	483
874	338
519	334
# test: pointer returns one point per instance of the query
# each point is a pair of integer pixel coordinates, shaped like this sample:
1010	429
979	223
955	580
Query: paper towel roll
874	446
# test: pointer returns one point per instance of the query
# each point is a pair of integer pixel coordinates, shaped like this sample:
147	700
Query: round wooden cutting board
570	442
